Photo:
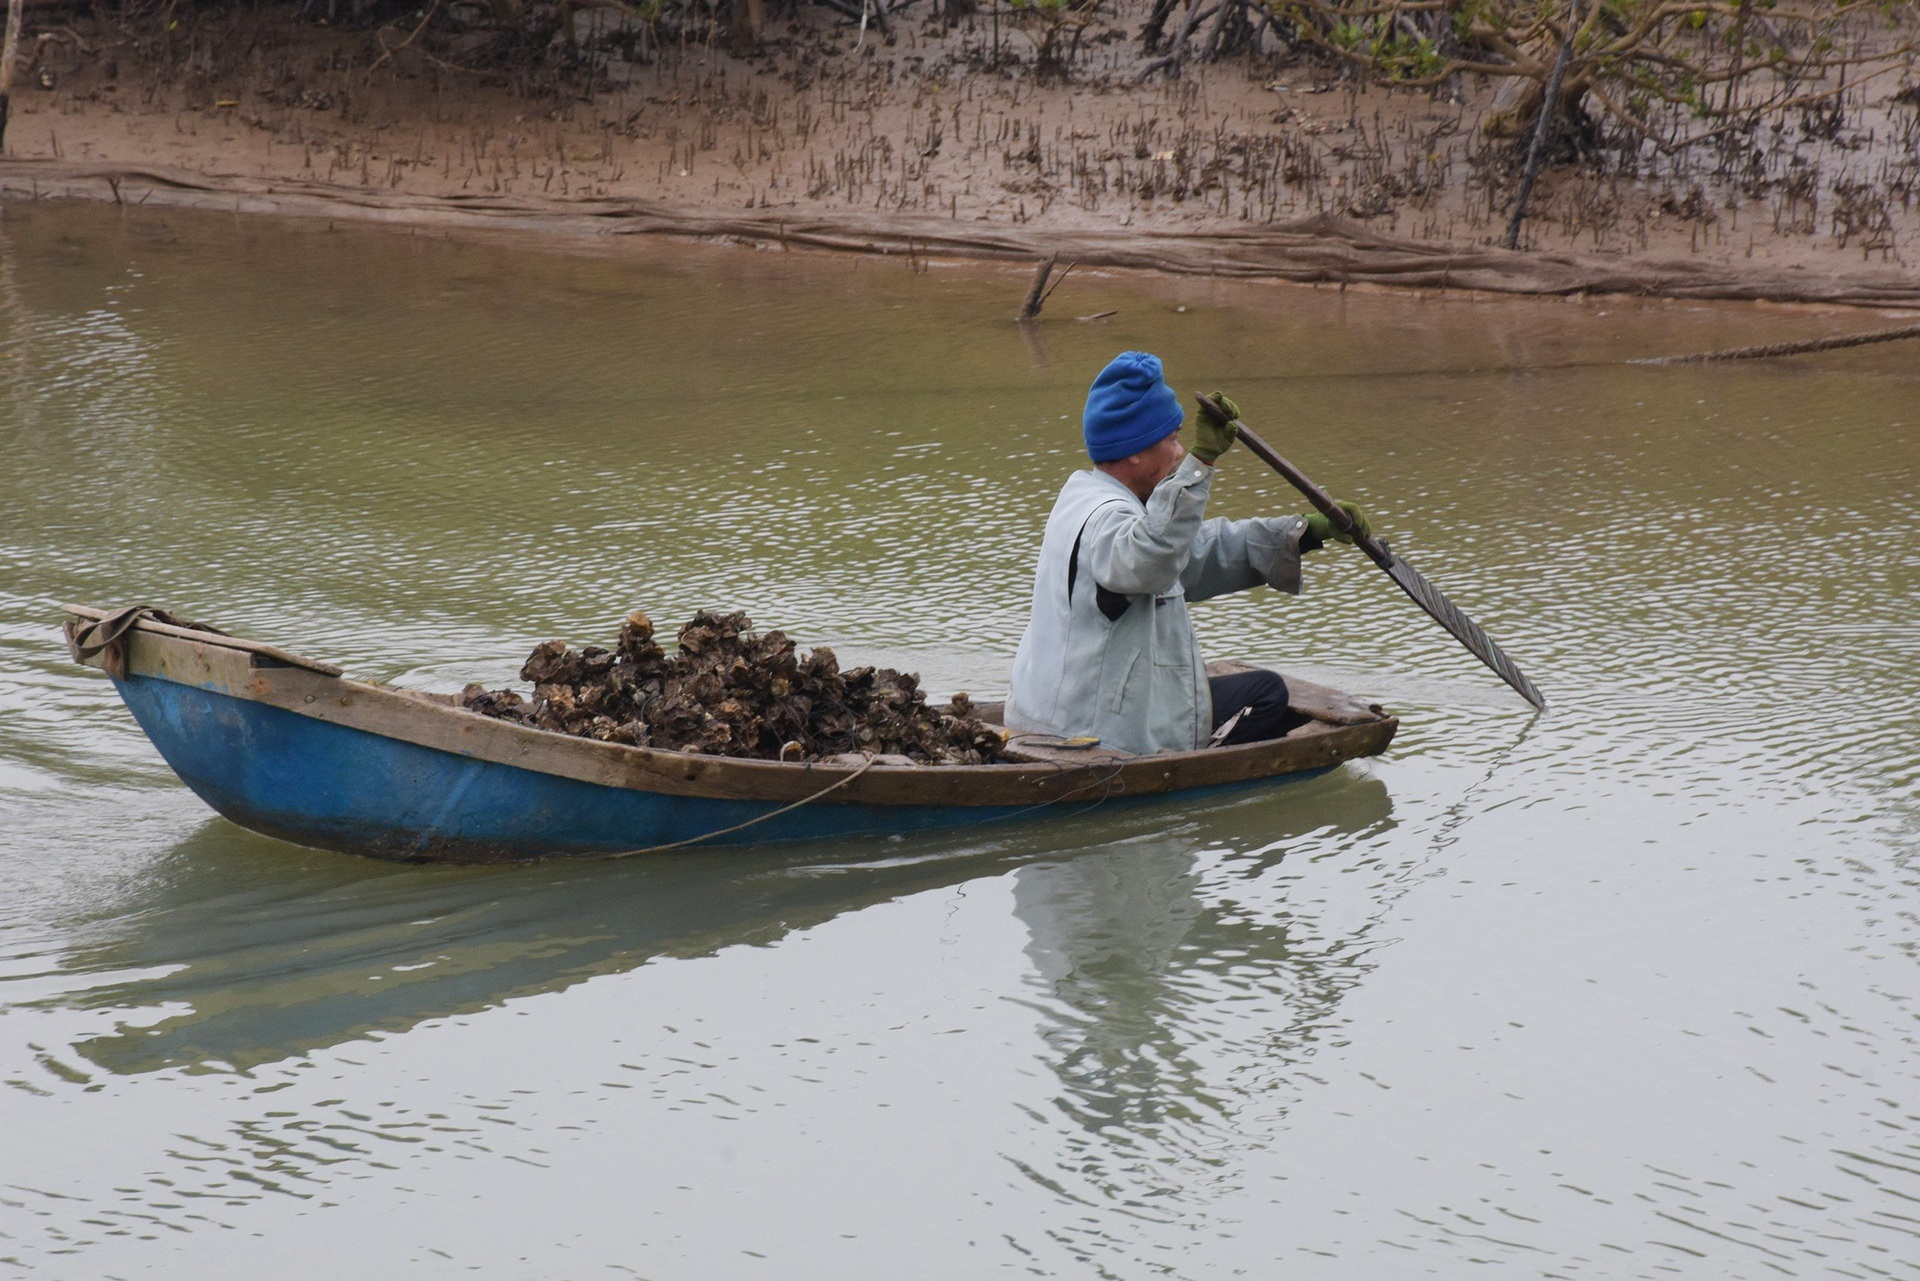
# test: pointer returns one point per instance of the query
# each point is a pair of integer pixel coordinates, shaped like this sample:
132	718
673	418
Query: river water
1626	990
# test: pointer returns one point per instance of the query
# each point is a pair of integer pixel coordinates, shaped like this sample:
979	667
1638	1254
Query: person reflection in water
1109	650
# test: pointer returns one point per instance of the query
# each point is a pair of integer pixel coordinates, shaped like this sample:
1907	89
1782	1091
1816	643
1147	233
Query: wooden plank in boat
1321	702
1330	705
1050	750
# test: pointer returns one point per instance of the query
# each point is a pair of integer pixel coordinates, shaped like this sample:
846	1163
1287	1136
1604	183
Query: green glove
1211	437
1322	528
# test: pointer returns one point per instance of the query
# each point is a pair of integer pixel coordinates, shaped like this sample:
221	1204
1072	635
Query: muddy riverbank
927	141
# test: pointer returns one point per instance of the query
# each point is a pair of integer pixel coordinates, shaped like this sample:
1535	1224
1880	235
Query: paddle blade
1464	629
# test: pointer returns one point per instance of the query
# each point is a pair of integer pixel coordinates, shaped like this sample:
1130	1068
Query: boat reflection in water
249	951
1158	961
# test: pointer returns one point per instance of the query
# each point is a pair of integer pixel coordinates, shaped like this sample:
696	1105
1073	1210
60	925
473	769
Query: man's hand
1322	528
1211	436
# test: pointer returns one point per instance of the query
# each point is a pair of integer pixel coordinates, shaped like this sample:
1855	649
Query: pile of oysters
732	691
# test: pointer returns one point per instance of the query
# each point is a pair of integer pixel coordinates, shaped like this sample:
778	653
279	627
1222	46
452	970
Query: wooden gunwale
272	677
274	652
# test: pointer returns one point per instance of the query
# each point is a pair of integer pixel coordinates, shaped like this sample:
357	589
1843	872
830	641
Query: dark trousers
1264	694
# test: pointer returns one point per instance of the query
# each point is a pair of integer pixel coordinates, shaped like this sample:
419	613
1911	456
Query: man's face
1163	459
1143	471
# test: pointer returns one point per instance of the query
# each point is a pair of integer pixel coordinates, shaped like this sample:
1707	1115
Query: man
1109	651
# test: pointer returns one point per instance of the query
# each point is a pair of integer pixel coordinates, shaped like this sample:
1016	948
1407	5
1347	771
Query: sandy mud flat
938	138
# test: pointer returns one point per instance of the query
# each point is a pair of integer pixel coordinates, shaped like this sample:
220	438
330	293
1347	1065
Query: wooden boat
288	747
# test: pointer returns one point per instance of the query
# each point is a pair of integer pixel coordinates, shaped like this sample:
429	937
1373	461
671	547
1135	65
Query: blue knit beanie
1129	407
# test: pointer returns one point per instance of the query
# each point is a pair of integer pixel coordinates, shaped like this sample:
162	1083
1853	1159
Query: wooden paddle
1424	593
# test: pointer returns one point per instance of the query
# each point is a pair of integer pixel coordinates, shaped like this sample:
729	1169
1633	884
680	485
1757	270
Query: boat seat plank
1045	749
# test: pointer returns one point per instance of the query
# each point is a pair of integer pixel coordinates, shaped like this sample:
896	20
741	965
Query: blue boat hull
290	747
316	783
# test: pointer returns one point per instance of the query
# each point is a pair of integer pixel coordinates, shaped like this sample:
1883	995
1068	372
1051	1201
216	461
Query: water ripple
1615	991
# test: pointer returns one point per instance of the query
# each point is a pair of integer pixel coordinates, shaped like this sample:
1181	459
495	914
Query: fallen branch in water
1768	350
1037	292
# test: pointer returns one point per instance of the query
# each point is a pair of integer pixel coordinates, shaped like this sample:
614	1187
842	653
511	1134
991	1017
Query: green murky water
1627	990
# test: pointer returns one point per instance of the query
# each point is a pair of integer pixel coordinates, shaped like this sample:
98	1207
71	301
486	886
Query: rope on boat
824	792
1105	782
106	635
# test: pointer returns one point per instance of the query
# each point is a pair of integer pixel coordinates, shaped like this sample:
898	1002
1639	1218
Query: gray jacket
1135	680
